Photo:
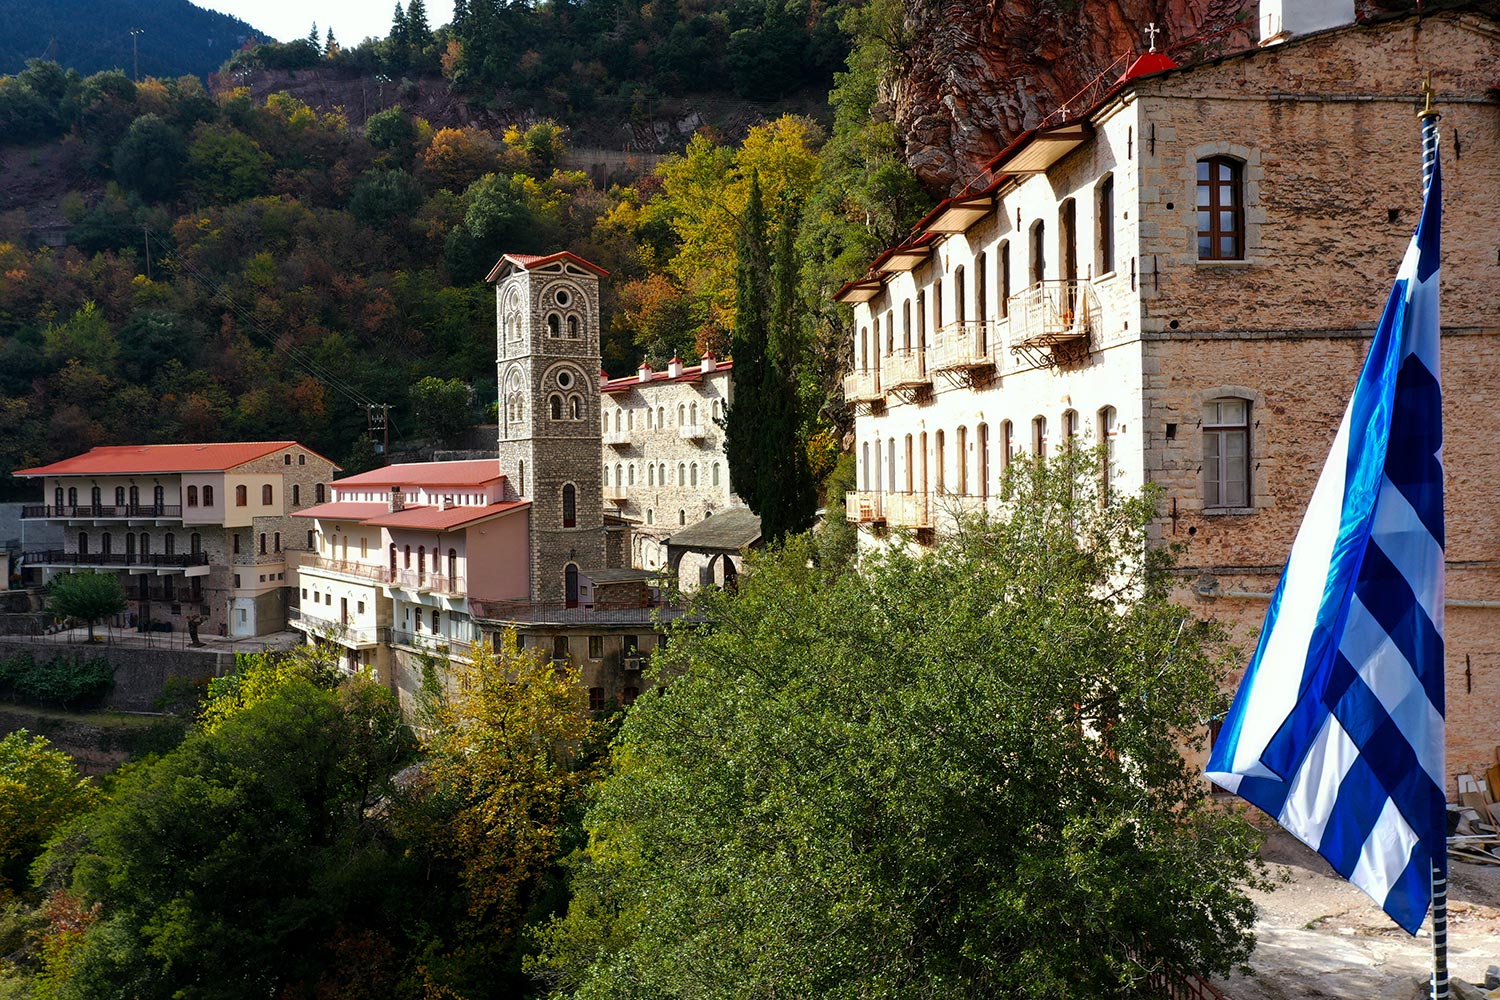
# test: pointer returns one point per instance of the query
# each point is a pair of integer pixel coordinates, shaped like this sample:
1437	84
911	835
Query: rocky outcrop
978	73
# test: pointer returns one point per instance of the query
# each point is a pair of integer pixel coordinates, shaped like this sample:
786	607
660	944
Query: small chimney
710	363
447	503
674	367
398	499
1283	19
643	373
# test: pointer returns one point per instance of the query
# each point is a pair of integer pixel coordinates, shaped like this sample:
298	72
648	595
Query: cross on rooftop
1151	31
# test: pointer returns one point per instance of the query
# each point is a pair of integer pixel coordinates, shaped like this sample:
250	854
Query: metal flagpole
1429	117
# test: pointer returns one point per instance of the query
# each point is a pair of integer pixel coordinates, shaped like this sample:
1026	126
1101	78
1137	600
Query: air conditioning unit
632	663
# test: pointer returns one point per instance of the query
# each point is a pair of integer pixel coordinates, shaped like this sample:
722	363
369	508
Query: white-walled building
664	465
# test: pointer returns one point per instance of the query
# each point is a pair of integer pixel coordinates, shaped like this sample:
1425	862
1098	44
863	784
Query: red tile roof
436	518
142	459
692	374
342	510
527	261
473	473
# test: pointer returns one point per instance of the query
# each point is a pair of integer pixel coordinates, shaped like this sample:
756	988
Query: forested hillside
176	37
179	266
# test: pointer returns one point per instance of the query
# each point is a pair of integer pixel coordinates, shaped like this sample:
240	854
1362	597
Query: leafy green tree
382	196
150	159
957	775
87	596
264	841
443	406
40	789
391	129
227	165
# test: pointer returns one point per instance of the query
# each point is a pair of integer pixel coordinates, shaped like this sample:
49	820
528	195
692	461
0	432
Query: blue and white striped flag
1337	728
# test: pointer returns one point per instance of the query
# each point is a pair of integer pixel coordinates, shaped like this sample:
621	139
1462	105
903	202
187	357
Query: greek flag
1337	728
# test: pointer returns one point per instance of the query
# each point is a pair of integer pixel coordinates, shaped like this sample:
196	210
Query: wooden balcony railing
57	557
84	511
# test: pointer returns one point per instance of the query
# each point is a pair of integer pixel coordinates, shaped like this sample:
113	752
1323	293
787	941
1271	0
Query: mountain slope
92	35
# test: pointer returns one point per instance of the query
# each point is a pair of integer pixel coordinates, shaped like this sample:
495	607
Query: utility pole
135	51
146	231
378	421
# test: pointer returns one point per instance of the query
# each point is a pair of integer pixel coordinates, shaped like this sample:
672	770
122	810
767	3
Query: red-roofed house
193	529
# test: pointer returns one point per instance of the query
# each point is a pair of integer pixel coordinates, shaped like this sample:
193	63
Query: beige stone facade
1069	294
664	466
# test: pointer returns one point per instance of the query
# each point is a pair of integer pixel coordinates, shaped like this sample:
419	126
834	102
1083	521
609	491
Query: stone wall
141	675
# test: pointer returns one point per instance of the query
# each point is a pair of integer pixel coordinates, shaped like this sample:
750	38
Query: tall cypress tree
418	31
744	428
400	28
767	460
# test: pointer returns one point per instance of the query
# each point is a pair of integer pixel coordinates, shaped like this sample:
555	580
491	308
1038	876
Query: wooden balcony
863	507
906	370
965	346
898	510
1052	322
105	511
115	560
863	387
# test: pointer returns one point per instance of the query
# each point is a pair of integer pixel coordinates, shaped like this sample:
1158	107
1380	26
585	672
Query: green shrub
59	681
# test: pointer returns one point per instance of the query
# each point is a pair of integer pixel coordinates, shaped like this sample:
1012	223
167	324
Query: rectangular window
1221	220
596	647
360	606
1226	453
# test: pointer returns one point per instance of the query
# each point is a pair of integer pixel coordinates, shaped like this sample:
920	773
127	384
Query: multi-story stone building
664	465
199	530
1187	269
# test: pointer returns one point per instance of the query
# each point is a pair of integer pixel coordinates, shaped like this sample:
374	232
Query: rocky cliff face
978	73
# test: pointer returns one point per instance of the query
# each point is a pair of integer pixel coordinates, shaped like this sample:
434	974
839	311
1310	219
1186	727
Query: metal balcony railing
619	439
906	370
337	631
1053	321
57	557
438	583
431	642
963	346
616	494
863	387
690	432
347	567
96	510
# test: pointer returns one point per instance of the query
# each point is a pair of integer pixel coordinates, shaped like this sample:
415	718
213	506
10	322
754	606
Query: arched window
695	474
393	559
208	496
1108	430
569	506
262	543
983	444
554	325
57	498
650	474
452	566
265	495
1221	214
96	497
1004	268
681	415
73	496
555	406
716	473
169	544
241	496
276	542
319	493
693	414
120	496
606	475
1104	223
661	417
158	498
83	543
864	464
195	543
1070	428
145	545
575	405
421	563
296	494
960	300
1007	443
681	473
1039	437
192	496
650	516
106	544
135	496
940	461
570	591
981	288
682	517
630	474
573	330
619	474
406	558
1038	252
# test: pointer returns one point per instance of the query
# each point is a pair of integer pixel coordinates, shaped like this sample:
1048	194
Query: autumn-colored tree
658	317
457	157
40	788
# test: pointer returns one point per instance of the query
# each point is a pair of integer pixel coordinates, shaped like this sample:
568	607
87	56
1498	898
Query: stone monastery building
1188	271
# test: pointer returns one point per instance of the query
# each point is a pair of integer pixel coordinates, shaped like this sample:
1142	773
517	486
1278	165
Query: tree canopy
943	776
88	596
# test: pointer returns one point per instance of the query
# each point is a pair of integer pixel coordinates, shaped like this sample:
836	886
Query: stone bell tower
547	370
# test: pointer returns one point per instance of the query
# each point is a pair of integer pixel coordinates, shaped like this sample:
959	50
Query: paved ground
1319	937
171	640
